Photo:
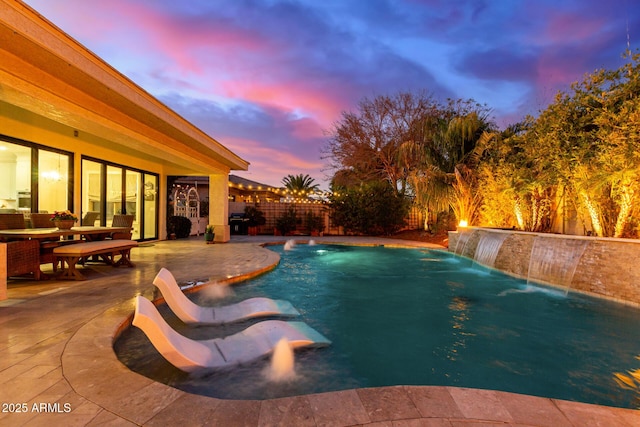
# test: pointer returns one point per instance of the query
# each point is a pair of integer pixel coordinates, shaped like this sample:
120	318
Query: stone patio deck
57	361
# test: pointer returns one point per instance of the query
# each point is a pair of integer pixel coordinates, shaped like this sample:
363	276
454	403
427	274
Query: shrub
313	222
254	216
371	208
180	225
287	222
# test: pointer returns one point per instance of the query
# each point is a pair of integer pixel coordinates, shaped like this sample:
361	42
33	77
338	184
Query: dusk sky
269	78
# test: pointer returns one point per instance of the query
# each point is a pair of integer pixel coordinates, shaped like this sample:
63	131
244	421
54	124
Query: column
3	271
219	206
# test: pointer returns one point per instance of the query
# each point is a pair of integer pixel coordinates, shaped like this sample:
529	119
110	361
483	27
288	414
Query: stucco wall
603	267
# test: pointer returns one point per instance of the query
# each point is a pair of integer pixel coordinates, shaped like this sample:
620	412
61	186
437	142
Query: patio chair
90	218
41	220
23	257
122	221
9	221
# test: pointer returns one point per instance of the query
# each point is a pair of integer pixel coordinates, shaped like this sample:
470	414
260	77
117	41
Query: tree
526	178
441	164
300	183
580	151
363	145
591	135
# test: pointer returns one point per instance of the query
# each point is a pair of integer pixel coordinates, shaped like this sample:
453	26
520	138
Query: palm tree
299	183
443	165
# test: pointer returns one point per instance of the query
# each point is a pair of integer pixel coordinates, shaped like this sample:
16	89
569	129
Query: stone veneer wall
607	268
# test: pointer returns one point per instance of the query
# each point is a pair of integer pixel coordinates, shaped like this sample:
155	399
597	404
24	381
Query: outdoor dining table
53	233
53	237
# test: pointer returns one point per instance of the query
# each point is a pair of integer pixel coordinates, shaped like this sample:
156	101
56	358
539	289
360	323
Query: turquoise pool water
421	317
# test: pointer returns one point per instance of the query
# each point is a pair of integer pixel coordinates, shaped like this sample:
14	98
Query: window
112	189
53	181
34	178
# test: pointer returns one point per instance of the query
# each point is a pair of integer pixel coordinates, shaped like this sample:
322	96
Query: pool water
420	317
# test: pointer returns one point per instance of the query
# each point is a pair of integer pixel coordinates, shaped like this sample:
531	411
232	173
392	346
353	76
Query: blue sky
269	78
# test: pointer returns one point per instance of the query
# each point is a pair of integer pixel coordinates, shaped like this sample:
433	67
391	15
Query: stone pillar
219	206
3	271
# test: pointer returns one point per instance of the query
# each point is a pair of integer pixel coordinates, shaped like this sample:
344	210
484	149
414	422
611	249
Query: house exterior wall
56	93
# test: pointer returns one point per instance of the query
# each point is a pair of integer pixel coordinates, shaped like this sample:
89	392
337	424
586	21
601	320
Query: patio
57	362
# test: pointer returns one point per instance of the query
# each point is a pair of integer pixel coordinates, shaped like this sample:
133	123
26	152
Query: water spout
463	239
488	247
214	291
555	260
312	242
290	244
282	362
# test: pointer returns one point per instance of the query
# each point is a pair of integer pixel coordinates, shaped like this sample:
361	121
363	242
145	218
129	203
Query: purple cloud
267	78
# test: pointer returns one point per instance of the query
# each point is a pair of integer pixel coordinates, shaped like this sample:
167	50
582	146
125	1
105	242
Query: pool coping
92	369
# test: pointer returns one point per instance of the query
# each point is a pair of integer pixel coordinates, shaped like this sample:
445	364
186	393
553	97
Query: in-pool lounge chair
257	341
189	312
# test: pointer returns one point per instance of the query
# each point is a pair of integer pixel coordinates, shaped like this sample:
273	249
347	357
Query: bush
314	222
180	225
254	216
371	208
287	222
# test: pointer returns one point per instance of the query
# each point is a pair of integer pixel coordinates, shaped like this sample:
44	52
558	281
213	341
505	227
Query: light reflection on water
395	319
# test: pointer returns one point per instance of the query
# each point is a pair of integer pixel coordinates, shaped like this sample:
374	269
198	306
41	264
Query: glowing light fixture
463	223
52	176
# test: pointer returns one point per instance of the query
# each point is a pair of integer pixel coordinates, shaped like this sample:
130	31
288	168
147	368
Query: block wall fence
274	210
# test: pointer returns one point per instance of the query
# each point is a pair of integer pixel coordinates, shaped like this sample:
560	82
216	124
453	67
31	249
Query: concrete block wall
606	267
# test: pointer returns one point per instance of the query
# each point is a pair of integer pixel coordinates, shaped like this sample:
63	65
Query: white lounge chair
189	312
189	355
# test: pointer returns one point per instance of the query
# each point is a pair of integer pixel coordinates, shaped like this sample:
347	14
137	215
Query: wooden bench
106	249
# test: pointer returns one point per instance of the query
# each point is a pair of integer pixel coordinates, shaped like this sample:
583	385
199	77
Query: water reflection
630	381
459	307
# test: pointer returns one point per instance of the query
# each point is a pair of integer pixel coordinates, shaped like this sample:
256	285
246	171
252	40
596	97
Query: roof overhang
45	71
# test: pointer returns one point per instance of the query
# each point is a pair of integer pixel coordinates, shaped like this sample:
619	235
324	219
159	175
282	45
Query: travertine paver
57	361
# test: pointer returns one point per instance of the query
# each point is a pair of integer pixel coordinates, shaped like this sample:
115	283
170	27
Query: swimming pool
420	317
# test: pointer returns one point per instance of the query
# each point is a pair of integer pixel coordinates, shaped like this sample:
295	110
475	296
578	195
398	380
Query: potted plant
209	234
255	218
314	223
64	220
287	223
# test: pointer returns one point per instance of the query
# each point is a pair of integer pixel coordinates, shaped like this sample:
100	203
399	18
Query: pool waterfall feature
603	267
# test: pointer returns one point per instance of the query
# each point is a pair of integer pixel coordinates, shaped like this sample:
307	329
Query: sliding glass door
150	211
112	189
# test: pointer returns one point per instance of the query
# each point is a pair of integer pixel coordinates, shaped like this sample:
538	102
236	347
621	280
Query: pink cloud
231	62
178	39
268	162
289	96
306	128
565	28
